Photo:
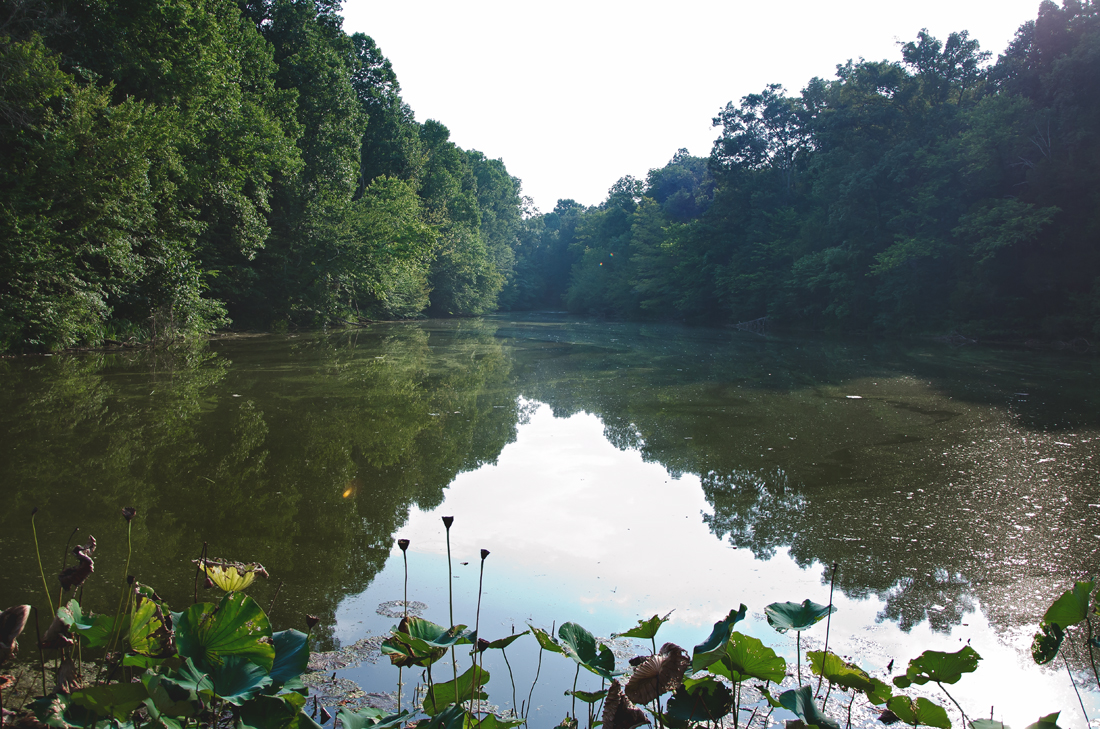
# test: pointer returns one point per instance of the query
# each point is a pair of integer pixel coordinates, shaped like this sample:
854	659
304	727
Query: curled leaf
619	712
231	576
75	575
67	680
12	622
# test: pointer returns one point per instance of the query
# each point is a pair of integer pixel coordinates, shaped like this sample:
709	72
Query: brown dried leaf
618	712
67	680
74	576
12	622
658	674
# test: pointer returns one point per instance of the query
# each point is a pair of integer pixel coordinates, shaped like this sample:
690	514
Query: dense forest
933	193
171	167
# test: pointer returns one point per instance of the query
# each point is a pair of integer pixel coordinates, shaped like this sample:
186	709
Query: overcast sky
574	94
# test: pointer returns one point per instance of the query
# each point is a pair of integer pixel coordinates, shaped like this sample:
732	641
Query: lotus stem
42	572
1079	699
956	703
1092	658
828	624
575	677
531	693
126	589
447	521
849	724
798	654
41	655
510	676
477	627
199	567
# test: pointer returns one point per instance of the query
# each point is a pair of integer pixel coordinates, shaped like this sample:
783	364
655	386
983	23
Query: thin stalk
447	521
736	704
573	713
798	654
275	597
849	724
828	623
1079	699
956	703
1092	658
511	677
477	625
41	655
199	568
404	545
532	691
827	692
42	572
399	669
125	591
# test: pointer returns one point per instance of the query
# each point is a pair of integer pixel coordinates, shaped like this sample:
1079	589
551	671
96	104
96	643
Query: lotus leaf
276	712
747	657
658	674
920	712
1071	608
502	643
169	697
645	629
231	576
987	724
1050	721
838	672
784	616
442	695
1045	645
801	702
115	700
588	697
453	717
492	721
546	641
581	646
237	680
150	634
705	699
371	717
881	692
939	667
95	629
291	655
237	626
420	642
713	649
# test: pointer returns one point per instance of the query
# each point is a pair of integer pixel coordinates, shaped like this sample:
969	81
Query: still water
613	471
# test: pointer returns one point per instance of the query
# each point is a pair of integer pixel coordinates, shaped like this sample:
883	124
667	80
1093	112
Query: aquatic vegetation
221	663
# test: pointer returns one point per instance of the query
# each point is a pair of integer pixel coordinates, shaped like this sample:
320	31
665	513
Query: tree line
931	193
170	166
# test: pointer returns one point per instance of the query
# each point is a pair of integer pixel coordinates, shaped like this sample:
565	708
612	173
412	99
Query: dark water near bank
613	470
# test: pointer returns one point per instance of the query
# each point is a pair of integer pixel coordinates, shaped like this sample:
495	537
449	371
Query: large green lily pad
784	616
236	626
939	667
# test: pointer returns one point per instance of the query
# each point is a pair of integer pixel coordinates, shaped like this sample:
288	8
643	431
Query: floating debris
367	650
397	608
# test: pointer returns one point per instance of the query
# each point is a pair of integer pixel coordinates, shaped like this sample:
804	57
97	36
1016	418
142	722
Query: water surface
614	471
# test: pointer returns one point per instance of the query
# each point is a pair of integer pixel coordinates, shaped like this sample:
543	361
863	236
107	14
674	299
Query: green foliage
784	616
839	672
237	626
645	629
801	702
467	687
919	712
698	700
581	646
713	649
747	657
939	667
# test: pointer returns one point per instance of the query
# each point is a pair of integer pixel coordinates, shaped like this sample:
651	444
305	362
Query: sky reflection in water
580	530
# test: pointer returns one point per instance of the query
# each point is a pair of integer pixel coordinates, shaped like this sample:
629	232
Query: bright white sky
574	94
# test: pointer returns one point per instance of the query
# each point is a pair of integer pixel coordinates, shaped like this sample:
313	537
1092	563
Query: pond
614	471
